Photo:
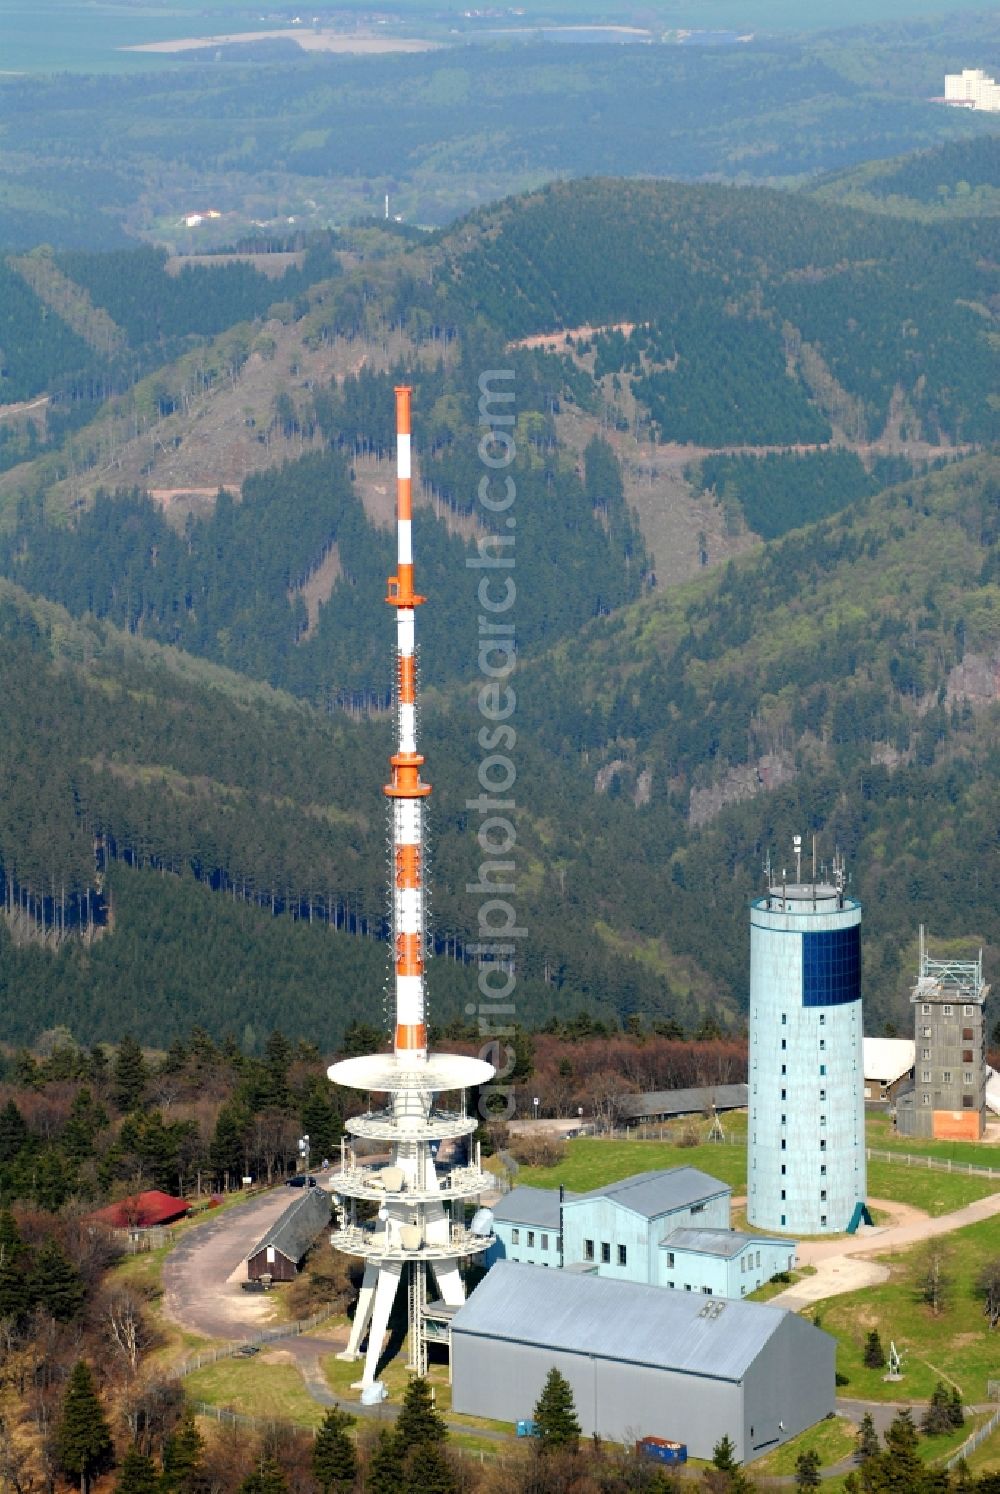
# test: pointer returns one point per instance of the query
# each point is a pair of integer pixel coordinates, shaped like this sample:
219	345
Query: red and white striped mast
421	1227
406	790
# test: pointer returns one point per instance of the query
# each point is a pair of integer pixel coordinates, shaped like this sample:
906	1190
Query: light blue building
721	1263
806	1142
619	1228
668	1228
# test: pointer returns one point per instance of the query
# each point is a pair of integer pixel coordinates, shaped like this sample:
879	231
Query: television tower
419	1207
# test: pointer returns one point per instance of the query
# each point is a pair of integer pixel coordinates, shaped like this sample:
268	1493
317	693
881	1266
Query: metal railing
936	1164
263	1336
986	1429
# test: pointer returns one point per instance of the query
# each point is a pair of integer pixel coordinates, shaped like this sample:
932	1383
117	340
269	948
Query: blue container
527	1429
662	1450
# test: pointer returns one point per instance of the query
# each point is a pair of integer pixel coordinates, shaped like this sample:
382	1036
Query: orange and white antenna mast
406	791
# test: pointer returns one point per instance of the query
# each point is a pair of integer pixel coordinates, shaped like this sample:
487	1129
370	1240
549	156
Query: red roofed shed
142	1211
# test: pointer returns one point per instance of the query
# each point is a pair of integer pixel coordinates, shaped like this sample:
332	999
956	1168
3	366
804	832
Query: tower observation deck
409	1216
806	1169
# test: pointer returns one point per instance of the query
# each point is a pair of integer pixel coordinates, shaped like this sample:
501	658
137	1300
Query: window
822	1195
925	1099
822	1120
968	1102
758	1257
670	1261
784	1044
697	1208
925	1032
822	1019
822	1045
784	1070
949	1011
926	1008
822	1094
531	1239
822	1145
687	1287
588	1251
784	1019
946	1076
967	1011
605	1253
707	1291
670	1285
822	1221
966	1055
967	1034
784	1120
622	1256
784	1169
925	1053
782	1218
782	1195
967	1077
822	1068
784	1144
515	1237
822	1169
784	1094
925	1076
831	967
545	1242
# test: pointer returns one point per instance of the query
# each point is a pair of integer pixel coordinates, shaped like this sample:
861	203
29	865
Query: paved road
201	1275
839	1264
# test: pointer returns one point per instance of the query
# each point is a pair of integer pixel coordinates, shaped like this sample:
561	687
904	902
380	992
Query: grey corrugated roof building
538	1207
662	1191
661	1104
724	1242
641	1361
278	1253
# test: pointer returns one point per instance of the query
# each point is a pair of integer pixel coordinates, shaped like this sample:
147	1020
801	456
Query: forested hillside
957	180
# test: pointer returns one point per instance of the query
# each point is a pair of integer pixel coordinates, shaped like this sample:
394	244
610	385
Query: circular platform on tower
386	1073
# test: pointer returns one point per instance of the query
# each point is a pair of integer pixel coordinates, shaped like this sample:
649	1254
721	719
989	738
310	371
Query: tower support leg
363	1313
389	1273
449	1282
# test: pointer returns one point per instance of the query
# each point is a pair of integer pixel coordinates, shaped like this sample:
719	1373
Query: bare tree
932	1280
988	1287
126	1329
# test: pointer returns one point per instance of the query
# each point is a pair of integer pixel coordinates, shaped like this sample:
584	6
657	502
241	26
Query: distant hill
960	179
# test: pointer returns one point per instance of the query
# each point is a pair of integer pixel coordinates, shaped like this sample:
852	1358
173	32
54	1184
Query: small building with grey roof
280	1252
669	1104
641	1362
721	1262
621	1225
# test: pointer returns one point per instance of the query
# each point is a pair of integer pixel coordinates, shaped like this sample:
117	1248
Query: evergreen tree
956	1408
724	1455
901	1470
555	1414
138	1474
385	1467
868	1445
418	1420
182	1453
268	1479
807	1469
130	1075
56	1285
874	1353
939	1416
13	1131
429	1472
334	1459
83	1438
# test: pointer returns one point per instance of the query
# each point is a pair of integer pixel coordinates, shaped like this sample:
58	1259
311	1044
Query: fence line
264	1336
971	1443
937	1164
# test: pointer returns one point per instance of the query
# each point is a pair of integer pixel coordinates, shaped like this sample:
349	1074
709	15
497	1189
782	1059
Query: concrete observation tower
806	1146
419	1224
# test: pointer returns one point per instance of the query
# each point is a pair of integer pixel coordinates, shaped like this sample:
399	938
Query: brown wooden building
280	1252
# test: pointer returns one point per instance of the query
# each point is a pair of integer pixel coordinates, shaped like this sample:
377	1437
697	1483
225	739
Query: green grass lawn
591	1162
987	1456
772	1288
937	1192
880	1132
833	1439
270	1391
955	1346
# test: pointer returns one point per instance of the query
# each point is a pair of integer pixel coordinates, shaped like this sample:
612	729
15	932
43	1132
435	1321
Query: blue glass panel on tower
831	967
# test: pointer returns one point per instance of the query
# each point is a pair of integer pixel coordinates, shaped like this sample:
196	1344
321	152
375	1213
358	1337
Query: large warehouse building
641	1361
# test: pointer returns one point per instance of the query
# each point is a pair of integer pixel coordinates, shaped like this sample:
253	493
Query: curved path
844	1265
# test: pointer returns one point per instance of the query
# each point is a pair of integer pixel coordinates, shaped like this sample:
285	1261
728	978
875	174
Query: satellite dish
482	1223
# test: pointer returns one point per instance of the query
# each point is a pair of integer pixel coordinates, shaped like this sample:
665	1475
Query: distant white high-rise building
973	89
806	1146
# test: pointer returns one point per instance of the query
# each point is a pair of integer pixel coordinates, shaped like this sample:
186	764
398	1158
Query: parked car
301	1180
246	1351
